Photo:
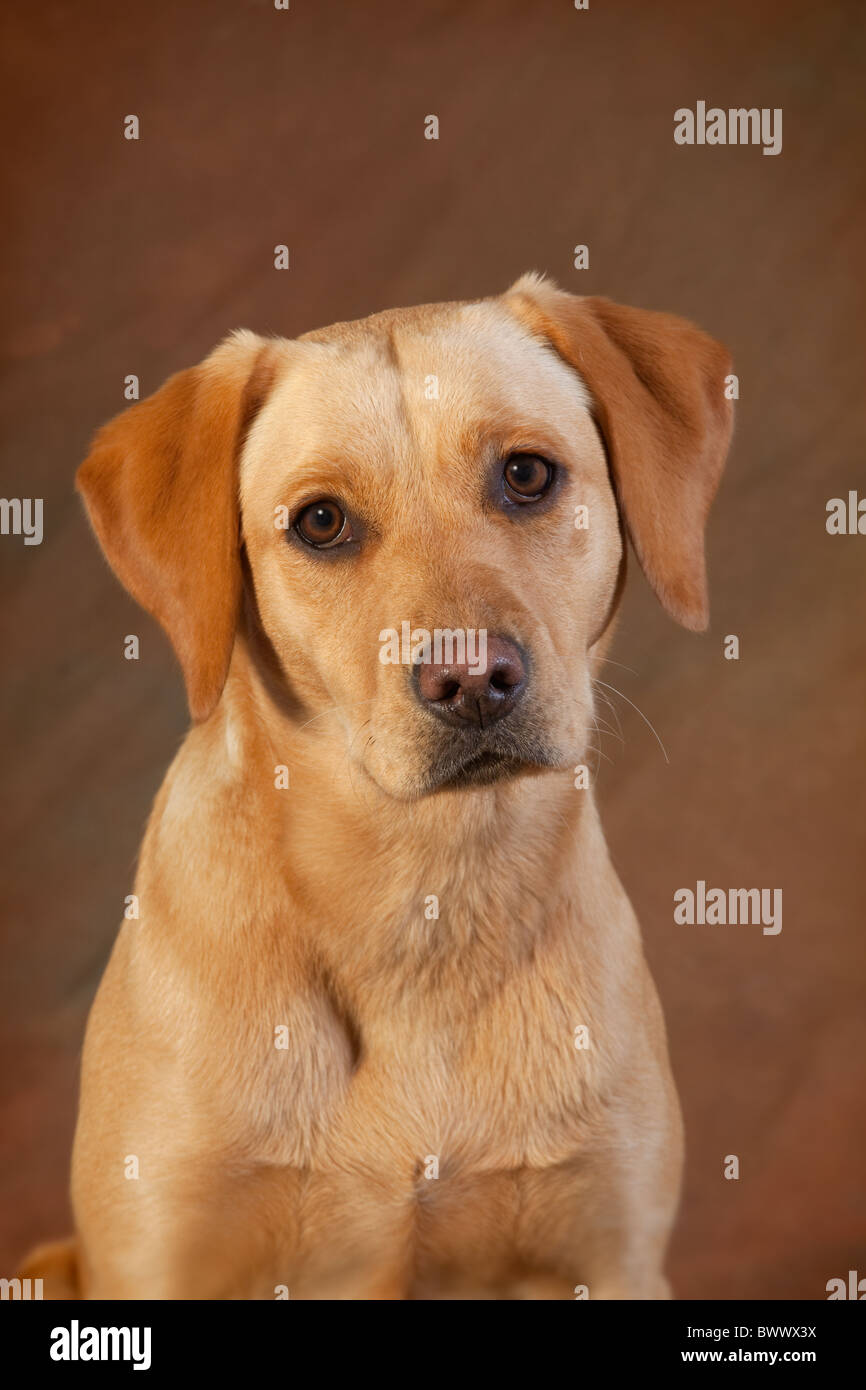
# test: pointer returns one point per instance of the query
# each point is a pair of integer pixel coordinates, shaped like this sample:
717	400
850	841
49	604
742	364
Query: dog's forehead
426	376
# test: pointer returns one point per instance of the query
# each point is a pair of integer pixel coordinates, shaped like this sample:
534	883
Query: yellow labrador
384	1028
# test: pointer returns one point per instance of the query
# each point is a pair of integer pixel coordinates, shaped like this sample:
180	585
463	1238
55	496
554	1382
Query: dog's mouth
483	766
482	769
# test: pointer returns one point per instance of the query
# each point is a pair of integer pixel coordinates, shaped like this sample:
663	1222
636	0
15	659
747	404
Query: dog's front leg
205	1232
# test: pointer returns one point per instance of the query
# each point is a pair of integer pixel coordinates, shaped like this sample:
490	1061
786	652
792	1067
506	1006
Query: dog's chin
462	763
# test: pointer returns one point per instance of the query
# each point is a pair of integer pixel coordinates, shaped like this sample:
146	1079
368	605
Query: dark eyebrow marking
392	356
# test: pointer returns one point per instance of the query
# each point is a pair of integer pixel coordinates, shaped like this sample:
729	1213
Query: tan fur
409	1037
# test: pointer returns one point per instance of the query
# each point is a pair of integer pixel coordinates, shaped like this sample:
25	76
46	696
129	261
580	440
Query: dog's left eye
323	524
527	477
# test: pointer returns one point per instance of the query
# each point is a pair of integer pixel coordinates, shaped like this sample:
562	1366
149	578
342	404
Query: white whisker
638	711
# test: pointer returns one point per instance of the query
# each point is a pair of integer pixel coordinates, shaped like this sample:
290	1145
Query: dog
383	1028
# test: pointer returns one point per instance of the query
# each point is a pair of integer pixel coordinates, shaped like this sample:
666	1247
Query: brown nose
464	696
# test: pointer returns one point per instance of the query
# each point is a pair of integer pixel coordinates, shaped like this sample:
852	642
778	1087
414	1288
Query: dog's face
430	504
424	471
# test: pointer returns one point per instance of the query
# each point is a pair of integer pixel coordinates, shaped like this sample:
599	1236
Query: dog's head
425	512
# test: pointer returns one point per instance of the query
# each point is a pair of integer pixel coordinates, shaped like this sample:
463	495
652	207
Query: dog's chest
465	1090
440	1146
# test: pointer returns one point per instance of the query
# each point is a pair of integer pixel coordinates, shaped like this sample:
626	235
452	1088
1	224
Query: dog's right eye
322	525
527	477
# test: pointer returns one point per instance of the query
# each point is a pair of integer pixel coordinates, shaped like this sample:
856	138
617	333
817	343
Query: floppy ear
161	489
658	386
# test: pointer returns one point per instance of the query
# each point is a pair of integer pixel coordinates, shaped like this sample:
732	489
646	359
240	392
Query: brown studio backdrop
305	127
